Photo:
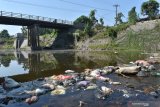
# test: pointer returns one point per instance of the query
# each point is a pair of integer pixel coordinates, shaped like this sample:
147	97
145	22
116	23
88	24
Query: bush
112	33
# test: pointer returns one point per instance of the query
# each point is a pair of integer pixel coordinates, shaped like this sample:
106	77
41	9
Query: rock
10	83
106	90
31	100
69	71
128	70
142	74
58	92
151	67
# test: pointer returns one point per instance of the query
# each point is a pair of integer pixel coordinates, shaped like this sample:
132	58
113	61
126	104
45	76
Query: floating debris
90	87
69	71
115	83
81	103
106	90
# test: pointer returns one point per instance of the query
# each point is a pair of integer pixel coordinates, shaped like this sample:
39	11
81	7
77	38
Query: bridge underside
33	28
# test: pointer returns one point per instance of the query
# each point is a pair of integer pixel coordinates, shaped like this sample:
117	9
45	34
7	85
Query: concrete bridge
33	23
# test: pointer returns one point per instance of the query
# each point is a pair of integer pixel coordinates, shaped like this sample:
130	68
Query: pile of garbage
29	92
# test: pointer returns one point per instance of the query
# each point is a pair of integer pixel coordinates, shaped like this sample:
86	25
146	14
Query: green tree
132	16
119	18
150	8
112	33
4	34
101	21
92	17
82	19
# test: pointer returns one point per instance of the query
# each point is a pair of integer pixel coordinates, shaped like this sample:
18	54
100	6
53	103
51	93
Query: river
24	66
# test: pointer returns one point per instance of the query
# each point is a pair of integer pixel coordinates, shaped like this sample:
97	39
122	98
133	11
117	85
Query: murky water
27	66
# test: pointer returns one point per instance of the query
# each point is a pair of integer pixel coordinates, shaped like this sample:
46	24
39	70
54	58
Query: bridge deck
10	18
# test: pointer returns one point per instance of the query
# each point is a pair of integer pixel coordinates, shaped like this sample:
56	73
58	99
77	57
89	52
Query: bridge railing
33	17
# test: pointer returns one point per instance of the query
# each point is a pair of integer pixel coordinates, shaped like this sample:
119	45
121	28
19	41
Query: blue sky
66	9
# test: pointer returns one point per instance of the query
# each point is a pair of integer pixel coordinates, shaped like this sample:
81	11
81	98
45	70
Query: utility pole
116	6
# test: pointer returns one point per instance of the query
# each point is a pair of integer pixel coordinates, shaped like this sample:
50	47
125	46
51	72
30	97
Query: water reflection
26	66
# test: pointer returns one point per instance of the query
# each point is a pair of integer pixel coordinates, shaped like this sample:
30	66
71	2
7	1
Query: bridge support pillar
33	37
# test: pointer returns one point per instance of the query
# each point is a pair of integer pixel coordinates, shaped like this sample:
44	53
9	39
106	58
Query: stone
151	67
9	83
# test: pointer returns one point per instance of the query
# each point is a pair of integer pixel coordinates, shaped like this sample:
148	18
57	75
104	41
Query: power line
51	7
85	5
43	6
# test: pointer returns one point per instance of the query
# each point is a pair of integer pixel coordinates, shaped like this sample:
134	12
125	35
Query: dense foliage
132	16
4	34
150	8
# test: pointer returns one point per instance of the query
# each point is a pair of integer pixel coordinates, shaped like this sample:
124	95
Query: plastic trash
31	100
58	92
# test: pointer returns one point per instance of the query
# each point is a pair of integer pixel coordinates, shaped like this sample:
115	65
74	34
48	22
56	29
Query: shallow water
26	66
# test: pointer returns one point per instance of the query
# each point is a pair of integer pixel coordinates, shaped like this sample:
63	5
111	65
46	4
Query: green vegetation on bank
95	30
6	41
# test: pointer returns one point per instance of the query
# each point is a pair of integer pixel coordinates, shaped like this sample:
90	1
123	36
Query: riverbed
25	66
